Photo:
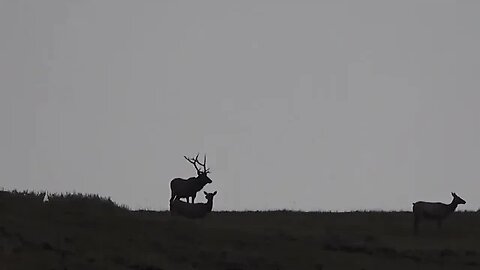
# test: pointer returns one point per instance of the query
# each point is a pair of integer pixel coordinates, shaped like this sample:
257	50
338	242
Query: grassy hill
88	232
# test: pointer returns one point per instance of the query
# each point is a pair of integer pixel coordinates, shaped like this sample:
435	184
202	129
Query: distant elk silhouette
434	210
186	188
192	210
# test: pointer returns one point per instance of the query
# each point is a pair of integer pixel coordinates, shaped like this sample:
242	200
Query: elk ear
214	193
205	193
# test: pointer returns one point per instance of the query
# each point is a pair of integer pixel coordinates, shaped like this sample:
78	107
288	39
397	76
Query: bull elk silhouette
193	210
186	188
434	210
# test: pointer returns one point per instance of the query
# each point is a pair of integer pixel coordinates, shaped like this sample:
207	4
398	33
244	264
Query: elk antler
204	165
194	162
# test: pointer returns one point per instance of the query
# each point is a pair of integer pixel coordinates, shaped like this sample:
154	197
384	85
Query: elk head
457	199
209	196
202	175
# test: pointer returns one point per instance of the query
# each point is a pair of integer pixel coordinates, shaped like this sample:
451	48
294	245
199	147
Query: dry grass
87	232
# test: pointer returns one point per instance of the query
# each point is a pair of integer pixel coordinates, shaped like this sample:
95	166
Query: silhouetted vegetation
74	231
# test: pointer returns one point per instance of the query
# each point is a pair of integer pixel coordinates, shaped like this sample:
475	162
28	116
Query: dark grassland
88	232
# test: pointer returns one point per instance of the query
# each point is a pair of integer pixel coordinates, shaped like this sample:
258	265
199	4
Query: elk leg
193	198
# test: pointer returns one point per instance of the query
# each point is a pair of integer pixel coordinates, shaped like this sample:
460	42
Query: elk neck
452	206
209	204
198	183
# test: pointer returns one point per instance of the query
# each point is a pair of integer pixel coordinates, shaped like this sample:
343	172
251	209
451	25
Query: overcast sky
310	105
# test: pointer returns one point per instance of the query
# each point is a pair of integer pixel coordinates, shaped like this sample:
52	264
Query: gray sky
311	105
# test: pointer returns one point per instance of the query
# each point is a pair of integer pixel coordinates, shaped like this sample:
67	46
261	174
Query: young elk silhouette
186	188
193	210
434	210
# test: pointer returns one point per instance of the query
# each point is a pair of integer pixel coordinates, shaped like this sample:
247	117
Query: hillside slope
87	232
